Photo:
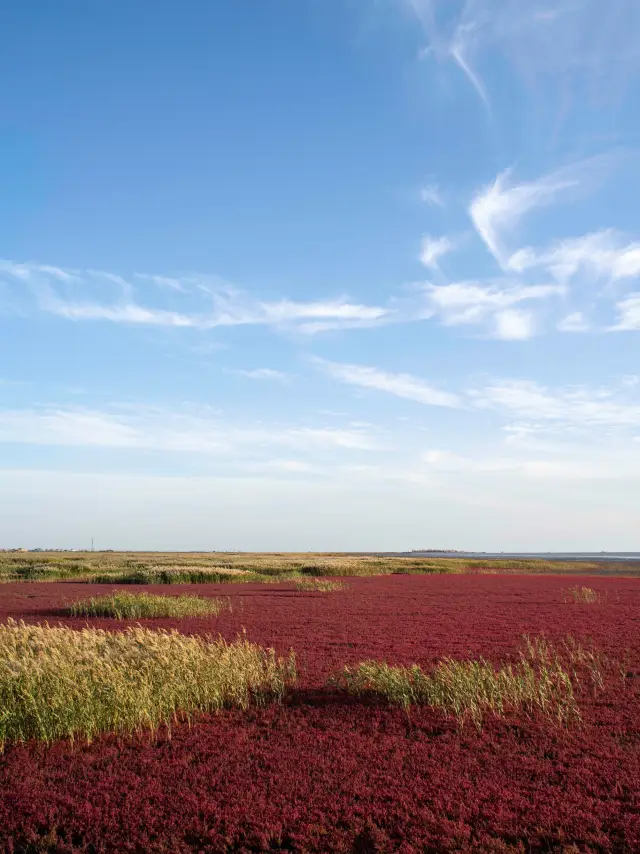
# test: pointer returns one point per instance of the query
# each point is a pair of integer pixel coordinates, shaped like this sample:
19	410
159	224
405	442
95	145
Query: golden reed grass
541	681
585	595
123	605
58	683
319	585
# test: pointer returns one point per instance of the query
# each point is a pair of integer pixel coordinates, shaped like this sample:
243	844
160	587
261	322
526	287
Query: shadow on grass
323	698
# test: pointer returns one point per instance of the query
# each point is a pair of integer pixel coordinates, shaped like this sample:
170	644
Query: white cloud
498	208
26	271
162	281
56	292
574	322
514	325
456	46
602	254
432	249
59	426
464	303
202	303
459	50
262	374
575	406
430	194
628	314
478	298
286	311
170	430
128	314
401	385
561	48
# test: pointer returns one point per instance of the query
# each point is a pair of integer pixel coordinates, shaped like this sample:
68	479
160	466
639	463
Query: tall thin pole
92	549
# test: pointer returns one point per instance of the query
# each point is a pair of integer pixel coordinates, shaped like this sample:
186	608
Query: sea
567	556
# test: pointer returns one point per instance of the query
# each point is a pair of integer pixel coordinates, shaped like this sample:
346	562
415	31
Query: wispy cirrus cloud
63	293
460	50
561	48
603	254
580	406
452	40
498	208
169	282
434	248
522	301
527	401
398	384
570	60
126	313
431	194
581	270
157	429
262	374
204	303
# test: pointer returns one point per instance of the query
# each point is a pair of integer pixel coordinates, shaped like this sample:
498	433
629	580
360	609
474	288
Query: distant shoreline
593	557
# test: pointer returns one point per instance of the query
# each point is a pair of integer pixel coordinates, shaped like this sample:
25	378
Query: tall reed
58	683
124	605
319	585
538	682
586	595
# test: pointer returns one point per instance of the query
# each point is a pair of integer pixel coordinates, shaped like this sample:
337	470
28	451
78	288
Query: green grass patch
58	683
182	576
540	682
235	567
123	605
319	585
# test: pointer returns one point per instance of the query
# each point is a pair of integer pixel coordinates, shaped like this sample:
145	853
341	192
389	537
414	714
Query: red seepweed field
326	772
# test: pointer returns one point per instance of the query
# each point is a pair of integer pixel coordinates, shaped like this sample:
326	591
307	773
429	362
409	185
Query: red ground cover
327	774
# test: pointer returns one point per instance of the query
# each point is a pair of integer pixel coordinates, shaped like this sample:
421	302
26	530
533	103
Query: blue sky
312	275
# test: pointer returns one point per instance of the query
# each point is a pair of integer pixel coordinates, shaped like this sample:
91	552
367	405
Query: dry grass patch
174	575
539	682
586	665
319	585
59	683
218	567
123	605
586	595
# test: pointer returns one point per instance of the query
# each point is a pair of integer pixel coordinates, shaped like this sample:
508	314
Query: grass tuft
585	664
537	683
320	585
176	576
585	595
123	605
58	683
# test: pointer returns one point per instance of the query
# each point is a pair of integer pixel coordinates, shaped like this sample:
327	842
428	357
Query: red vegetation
324	773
